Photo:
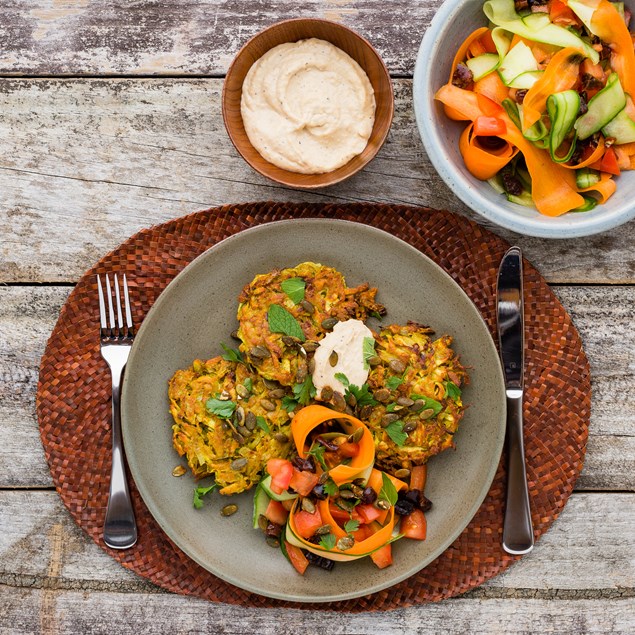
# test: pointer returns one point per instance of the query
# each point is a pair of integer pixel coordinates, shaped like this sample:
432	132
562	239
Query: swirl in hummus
307	107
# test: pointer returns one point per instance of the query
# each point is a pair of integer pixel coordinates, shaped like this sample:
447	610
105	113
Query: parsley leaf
368	350
221	408
281	321
351	525
391	407
396	433
261	422
232	354
305	391
328	541
289	403
392	383
317	452
363	395
294	288
199	492
377	315
343	379
331	488
429	402
388	490
249	384
452	390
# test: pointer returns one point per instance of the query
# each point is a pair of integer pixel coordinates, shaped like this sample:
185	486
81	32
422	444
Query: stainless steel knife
518	533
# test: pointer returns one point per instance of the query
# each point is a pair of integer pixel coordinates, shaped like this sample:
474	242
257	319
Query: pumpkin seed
427	413
382	503
325	476
290	341
224	396
356	436
338	401
323	530
277	393
405	401
382	395
259	352
365	412
273	542
346	493
179	470
417	405
268	405
244	431
373	361
242	391
345	543
308	506
226	425
239	415
228	510
357	490
409	427
238	464
397	365
333	359
270	384
281	438
310	346
234	335
263	522
346	505
351	400
311	365
329	323
403	473
250	421
327	393
239	438
387	419
307	306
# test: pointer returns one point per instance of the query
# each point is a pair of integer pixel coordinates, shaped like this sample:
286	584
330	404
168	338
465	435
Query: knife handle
518	532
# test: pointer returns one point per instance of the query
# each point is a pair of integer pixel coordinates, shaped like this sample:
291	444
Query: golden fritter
227	423
416	381
309	300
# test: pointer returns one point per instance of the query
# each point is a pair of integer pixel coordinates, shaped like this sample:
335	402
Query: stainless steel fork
120	528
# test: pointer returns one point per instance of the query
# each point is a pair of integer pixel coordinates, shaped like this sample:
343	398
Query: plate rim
174	536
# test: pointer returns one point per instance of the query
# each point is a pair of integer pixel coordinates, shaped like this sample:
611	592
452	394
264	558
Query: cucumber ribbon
563	111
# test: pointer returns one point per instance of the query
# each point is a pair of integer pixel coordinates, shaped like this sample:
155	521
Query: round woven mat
73	399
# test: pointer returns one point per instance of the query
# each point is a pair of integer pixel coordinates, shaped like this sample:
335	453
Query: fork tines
114	326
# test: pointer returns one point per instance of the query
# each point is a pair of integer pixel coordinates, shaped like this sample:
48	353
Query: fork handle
120	527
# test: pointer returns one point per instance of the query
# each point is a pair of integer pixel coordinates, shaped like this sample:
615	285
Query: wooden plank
109	157
603	315
185	37
587	553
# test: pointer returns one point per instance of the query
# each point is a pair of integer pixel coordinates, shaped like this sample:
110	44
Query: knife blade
518	533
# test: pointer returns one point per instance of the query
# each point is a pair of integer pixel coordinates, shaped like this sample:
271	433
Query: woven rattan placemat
73	398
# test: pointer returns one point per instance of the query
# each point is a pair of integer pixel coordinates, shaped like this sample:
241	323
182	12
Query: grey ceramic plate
196	312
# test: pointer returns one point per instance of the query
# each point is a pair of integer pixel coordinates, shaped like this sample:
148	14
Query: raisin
304	465
491	143
462	76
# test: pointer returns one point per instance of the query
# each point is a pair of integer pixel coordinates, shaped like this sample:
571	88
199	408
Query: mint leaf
199	492
368	350
429	402
261	422
223	409
396	433
392	383
452	390
351	525
305	391
294	288
343	379
281	321
249	384
328	541
388	490
232	354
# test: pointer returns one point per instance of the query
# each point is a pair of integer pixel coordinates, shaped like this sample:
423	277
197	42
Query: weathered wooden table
109	122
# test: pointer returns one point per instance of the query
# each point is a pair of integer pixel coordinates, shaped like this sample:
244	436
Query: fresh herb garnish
428	401
368	350
281	321
392	383
391	407
328	541
232	354
351	525
343	379
376	314
317	452
289	403
249	384
396	433
331	488
388	490
199	492
221	408
294	288
452	390
305	391
363	395
261	422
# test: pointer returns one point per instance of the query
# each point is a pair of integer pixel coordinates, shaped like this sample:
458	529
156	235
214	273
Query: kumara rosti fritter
227	422
316	297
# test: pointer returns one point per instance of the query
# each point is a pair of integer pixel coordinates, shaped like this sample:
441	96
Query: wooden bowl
292	31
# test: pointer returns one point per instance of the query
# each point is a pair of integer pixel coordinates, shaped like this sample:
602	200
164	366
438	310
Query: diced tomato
306	524
281	472
383	556
414	525
297	557
489	126
303	482
339	514
561	14
288	503
418	477
276	513
362	533
368	513
348	450
609	164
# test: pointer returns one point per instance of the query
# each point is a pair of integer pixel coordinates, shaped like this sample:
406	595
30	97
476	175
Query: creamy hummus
347	340
307	106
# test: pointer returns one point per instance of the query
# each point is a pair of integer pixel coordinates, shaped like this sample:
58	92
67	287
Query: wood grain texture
28	314
108	157
184	37
587	552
